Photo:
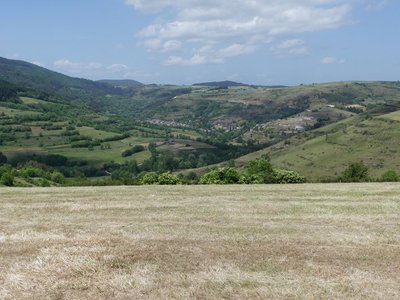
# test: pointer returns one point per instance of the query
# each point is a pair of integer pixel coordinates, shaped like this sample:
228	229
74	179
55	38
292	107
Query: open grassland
198	242
327	151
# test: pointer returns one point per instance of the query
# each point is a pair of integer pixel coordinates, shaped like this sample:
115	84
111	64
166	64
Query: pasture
309	241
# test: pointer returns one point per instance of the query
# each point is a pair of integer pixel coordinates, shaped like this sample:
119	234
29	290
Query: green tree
57	177
390	176
260	171
122	175
221	176
3	159
7	178
152	148
355	172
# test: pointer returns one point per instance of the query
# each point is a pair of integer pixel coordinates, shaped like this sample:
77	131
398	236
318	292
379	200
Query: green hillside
324	153
114	127
31	76
122	83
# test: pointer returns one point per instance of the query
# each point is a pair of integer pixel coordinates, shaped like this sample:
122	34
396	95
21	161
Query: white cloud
291	47
172	45
210	55
193	24
93	69
38	63
332	60
77	68
117	68
377	4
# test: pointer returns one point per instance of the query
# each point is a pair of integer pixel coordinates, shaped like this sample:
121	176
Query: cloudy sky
187	41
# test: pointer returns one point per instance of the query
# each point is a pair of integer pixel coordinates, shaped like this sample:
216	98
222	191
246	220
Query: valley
315	130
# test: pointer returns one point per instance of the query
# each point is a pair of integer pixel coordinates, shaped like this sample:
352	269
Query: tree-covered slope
126	83
31	76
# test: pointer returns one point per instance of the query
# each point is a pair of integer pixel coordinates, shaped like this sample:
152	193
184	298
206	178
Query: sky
265	42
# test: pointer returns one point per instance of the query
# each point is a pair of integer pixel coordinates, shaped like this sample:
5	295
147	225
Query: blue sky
187	41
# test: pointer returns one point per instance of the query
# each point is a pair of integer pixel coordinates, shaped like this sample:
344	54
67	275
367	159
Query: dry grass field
201	242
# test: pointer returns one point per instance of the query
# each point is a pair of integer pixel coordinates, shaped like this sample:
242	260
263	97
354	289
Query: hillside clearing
196	242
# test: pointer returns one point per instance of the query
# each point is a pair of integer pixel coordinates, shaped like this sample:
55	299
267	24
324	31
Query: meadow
311	241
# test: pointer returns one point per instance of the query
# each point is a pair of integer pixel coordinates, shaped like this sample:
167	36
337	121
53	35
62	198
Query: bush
149	178
168	179
57	177
259	171
135	149
390	176
355	172
30	172
285	176
221	176
122	175
7	178
43	182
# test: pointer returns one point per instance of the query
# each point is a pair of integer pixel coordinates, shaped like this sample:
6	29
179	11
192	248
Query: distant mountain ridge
228	83
225	83
124	83
31	76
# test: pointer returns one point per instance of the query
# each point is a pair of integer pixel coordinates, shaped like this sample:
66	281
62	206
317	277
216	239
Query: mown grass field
196	242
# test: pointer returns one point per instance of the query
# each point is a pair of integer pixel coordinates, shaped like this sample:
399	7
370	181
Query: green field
193	242
98	156
326	152
10	112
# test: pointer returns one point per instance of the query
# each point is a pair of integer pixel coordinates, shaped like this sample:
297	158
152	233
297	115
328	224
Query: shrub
7	178
285	176
251	179
221	176
259	171
57	177
135	149
30	172
149	178
168	179
355	172
122	175
390	176
43	182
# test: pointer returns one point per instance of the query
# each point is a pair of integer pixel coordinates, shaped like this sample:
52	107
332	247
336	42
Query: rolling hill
313	129
225	83
31	76
324	153
127	83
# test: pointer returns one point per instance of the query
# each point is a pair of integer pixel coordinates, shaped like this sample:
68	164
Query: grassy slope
374	141
242	242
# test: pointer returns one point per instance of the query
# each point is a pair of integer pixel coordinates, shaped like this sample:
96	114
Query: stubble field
201	242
